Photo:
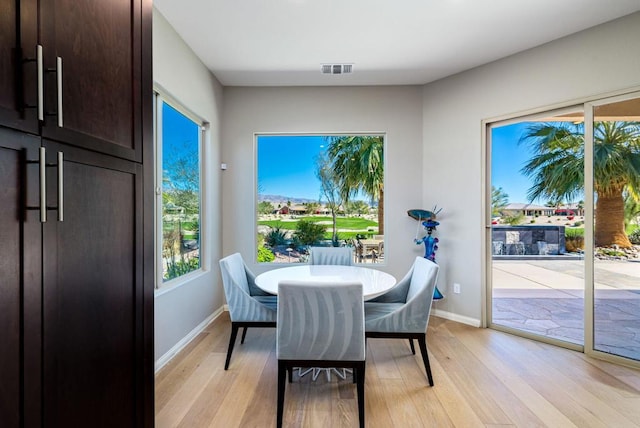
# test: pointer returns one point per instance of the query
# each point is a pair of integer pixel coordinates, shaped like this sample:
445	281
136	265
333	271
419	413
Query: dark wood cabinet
76	287
93	292
98	45
18	66
20	281
91	68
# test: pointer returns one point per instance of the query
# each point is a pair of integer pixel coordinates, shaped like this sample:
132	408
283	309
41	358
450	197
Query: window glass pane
180	194
320	190
537	232
616	184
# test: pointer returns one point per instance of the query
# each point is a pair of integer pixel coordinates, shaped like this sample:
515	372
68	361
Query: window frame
162	97
382	134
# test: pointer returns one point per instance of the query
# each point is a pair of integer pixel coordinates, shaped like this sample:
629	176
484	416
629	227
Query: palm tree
499	200
358	162
558	169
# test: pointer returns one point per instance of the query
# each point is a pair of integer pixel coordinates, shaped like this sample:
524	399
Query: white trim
455	317
162	97
168	356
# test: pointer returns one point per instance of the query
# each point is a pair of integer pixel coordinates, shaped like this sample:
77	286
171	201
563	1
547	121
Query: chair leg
232	341
282	371
244	334
413	349
360	388
425	358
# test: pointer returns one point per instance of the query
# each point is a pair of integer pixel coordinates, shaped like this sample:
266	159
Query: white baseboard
455	317
163	360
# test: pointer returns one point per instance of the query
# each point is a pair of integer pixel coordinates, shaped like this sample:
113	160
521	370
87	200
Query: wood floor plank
524	405
483	378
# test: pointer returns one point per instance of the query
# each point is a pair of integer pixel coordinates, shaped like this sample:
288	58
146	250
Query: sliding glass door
537	226
564	235
616	235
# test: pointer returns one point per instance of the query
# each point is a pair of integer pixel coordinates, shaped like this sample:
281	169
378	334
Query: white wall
395	110
597	61
176	69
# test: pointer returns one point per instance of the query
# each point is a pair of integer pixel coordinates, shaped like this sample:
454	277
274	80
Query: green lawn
354	225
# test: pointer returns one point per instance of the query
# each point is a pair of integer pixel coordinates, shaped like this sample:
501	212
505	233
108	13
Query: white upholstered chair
403	312
331	256
249	306
341	256
320	325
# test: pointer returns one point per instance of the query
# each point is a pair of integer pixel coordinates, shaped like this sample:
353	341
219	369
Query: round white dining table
374	282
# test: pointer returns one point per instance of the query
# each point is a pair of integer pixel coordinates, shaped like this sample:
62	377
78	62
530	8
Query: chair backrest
413	316
421	288
317	321
425	273
242	307
331	256
234	273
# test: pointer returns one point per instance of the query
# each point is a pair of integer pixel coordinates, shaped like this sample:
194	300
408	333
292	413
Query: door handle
42	163
40	64
58	71
42	168
59	87
60	186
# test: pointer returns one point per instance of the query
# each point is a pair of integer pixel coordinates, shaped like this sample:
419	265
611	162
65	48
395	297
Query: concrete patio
546	297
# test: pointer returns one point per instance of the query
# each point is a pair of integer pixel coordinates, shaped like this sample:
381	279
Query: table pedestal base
315	372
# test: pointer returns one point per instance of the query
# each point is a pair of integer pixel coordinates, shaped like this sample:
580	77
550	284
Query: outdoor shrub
265	255
514	220
532	221
634	237
276	236
611	252
574	240
296	244
309	233
176	268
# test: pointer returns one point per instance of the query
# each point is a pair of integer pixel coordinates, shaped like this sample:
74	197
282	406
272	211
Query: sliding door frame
587	106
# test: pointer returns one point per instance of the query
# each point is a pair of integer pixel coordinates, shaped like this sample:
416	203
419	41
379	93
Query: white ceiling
389	42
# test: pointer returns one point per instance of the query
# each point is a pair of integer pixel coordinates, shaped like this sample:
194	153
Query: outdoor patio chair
249	306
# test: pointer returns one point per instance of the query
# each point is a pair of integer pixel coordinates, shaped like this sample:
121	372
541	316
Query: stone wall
527	240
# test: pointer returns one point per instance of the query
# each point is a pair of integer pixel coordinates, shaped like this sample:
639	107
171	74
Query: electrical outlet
456	288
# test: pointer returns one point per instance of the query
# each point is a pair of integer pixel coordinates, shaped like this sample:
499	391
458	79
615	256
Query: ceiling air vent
337	68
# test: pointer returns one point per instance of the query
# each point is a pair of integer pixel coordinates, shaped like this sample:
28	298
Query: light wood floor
483	378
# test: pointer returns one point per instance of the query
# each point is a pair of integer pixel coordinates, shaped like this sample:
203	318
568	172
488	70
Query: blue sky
507	159
180	136
286	164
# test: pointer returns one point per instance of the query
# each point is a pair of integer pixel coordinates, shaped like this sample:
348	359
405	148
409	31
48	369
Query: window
319	190
179	137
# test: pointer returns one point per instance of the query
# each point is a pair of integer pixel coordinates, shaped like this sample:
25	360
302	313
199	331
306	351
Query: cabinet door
98	104
18	68
93	294
20	273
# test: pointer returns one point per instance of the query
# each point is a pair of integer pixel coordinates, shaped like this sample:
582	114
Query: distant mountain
279	199
282	200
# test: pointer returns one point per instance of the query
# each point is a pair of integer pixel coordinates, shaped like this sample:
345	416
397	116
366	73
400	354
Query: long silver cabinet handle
60	186
40	65
59	81
43	184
